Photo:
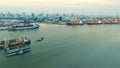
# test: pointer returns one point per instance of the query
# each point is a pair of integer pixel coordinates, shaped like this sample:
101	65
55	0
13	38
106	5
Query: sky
87	7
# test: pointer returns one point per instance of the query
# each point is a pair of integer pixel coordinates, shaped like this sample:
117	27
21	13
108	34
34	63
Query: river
86	46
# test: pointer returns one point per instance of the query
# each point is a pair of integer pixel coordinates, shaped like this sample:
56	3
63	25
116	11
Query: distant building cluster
61	18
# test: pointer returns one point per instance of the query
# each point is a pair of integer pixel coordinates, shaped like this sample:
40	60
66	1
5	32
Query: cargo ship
16	46
89	23
94	22
24	26
110	21
75	23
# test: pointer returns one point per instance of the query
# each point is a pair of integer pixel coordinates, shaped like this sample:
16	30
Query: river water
87	46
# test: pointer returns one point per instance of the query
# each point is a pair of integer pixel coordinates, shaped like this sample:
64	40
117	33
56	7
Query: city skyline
89	7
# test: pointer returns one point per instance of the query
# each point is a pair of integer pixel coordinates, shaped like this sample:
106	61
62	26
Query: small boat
2	45
40	38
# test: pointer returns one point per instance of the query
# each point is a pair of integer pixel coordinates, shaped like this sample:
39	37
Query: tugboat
16	46
40	38
2	45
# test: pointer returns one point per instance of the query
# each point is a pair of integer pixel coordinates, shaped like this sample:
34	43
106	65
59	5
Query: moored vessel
76	23
24	26
2	45
16	46
94	22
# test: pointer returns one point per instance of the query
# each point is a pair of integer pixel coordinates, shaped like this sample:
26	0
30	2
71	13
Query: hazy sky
92	7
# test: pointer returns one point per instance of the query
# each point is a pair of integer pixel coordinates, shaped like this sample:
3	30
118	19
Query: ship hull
22	28
15	47
18	51
110	23
69	24
93	23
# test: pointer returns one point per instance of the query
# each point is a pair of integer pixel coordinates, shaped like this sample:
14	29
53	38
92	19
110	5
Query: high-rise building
10	15
2	16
